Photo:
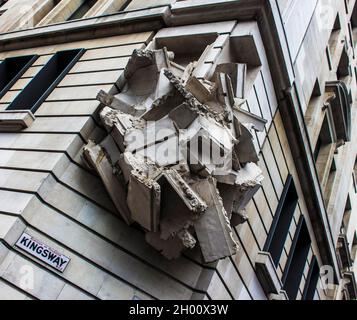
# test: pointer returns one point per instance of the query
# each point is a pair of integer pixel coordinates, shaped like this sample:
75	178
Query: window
351	289
324	156
344	69
346	216
330	182
354	248
282	220
324	138
46	80
344	256
295	265
313	106
340	109
11	69
2	2
353	25
332	44
82	9
2	10
311	280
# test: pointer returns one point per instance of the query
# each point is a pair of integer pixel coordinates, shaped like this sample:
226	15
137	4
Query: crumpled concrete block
180	154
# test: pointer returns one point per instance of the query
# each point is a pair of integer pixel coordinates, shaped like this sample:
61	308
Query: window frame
311	280
302	227
32	59
278	214
38	77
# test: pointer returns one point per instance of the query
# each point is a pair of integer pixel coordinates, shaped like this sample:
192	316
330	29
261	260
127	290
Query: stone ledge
17	120
280	297
267	274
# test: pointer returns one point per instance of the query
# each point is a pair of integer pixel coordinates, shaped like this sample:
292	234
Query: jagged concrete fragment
183	116
200	68
163	106
154	132
209	146
143	83
128	162
219	115
118	123
144	196
172	247
164	154
111	149
225	95
227	193
180	205
199	90
237	73
245	148
248	182
238	218
139	59
246	117
95	155
213	229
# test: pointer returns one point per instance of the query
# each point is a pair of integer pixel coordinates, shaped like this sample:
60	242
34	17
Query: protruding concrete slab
213	229
95	155
144	200
181	206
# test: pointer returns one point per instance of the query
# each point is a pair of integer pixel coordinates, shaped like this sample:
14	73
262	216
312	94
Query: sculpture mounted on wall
179	158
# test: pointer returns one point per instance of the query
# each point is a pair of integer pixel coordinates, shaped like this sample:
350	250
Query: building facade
299	241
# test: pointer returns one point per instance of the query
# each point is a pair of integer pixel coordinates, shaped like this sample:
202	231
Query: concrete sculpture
179	158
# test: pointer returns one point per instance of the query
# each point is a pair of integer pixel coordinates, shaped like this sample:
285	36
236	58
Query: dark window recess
316	92
328	55
282	220
46	80
82	9
330	182
354	17
354	178
350	33
343	69
11	69
324	138
295	265
317	148
311	280
2	2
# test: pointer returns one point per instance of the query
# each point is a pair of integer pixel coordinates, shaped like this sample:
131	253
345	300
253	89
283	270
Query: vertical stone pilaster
61	12
105	7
